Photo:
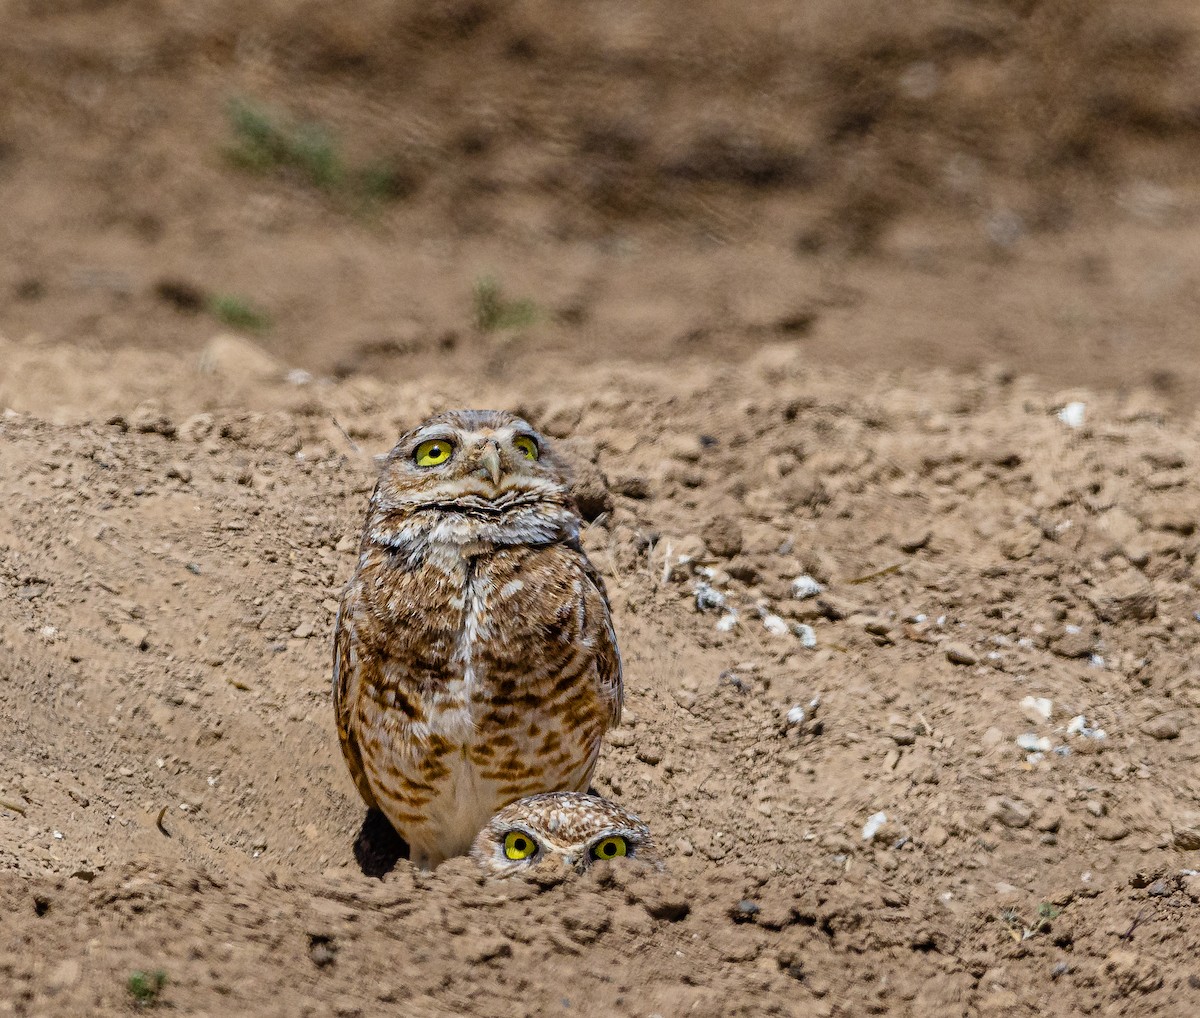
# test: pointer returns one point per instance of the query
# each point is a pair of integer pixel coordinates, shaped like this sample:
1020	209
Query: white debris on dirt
1078	726
1072	414
874	822
806	634
805	587
1037	708
708	598
1034	743
774	625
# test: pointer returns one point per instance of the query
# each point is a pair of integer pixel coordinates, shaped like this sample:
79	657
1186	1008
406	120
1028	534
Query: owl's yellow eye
526	446
610	848
433	453
519	845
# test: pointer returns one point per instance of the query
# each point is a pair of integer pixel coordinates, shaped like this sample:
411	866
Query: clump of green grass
382	181
494	311
238	312
264	141
1048	911
144	987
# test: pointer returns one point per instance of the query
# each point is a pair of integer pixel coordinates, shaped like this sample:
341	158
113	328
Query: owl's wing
347	679
598	630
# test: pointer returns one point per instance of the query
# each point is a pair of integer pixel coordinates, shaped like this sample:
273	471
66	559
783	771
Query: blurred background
396	188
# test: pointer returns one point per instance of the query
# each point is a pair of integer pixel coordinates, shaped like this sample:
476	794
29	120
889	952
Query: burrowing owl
574	829
475	661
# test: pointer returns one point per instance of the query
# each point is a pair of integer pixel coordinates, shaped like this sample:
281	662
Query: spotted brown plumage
475	661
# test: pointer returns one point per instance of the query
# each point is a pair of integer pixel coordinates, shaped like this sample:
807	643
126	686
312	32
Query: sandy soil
809	290
173	798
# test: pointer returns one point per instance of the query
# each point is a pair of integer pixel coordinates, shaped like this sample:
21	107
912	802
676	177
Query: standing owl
475	661
573	829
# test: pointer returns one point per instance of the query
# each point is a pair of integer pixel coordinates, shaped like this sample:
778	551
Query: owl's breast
412	620
466	645
526	609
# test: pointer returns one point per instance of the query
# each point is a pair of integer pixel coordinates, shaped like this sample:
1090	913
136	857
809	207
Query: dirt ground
900	305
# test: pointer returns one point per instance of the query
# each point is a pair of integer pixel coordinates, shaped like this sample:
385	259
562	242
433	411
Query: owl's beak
489	461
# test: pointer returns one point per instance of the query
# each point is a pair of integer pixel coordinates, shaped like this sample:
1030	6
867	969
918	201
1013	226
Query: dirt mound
890	794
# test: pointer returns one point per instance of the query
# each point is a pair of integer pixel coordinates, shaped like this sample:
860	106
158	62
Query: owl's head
470	477
564	828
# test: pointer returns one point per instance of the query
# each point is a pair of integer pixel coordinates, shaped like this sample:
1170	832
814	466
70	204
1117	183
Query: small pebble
135	635
1072	415
874	825
806	634
1009	812
708	598
805	587
961	654
1072	643
1186	837
1037	708
747	908
1162	728
723	536
914	541
1078	726
774	625
936	836
1126	597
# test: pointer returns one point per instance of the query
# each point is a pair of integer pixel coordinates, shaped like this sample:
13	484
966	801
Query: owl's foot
378	847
